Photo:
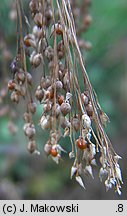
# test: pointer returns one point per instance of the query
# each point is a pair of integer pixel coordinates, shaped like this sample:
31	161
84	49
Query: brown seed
61	50
26	125
39	94
38	19
47	107
32	107
36	60
85	99
61	66
65	108
60	46
57	28
48	14
75	124
21	76
37	32
27	42
32	146
47	82
30	132
47	148
45	122
64	122
59	85
11	85
56	110
15	97
29	78
53	152
44	43
50	95
89	110
42	83
60	99
81	143
49	53
27	117
33	6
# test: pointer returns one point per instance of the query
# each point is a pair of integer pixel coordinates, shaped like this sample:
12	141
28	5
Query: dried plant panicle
54	45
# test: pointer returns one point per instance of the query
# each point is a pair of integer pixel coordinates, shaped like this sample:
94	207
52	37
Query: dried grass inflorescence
54	46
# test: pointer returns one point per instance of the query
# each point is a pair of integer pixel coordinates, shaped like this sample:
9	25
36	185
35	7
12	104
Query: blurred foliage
38	177
106	63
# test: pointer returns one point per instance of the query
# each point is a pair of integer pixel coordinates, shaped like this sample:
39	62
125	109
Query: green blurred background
24	176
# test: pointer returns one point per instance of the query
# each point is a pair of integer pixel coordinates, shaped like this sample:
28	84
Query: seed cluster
53	47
